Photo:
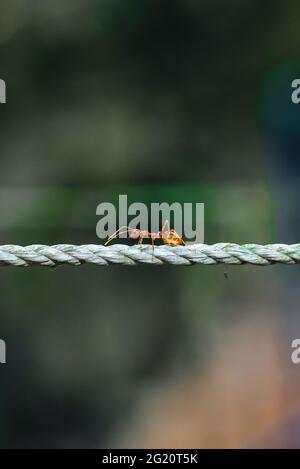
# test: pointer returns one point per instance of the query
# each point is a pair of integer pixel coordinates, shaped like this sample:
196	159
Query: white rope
220	253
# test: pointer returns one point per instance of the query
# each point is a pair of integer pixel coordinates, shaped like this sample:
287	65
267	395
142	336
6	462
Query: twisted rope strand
220	253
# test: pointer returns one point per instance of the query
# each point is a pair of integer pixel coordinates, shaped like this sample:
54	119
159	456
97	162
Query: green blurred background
178	100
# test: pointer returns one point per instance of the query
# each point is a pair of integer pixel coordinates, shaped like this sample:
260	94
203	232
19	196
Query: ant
168	236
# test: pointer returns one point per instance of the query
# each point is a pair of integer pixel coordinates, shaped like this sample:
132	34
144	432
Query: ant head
134	234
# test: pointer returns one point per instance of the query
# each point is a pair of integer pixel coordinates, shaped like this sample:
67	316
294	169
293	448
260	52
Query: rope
220	253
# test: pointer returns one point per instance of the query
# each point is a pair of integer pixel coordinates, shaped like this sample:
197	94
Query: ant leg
143	235
141	239
166	224
152	239
175	233
164	234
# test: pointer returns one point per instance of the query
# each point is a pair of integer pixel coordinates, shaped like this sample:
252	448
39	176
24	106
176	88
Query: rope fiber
121	254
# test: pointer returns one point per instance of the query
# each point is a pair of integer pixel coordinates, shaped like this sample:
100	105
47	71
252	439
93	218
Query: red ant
169	236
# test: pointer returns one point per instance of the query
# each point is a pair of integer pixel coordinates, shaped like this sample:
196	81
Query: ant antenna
123	229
